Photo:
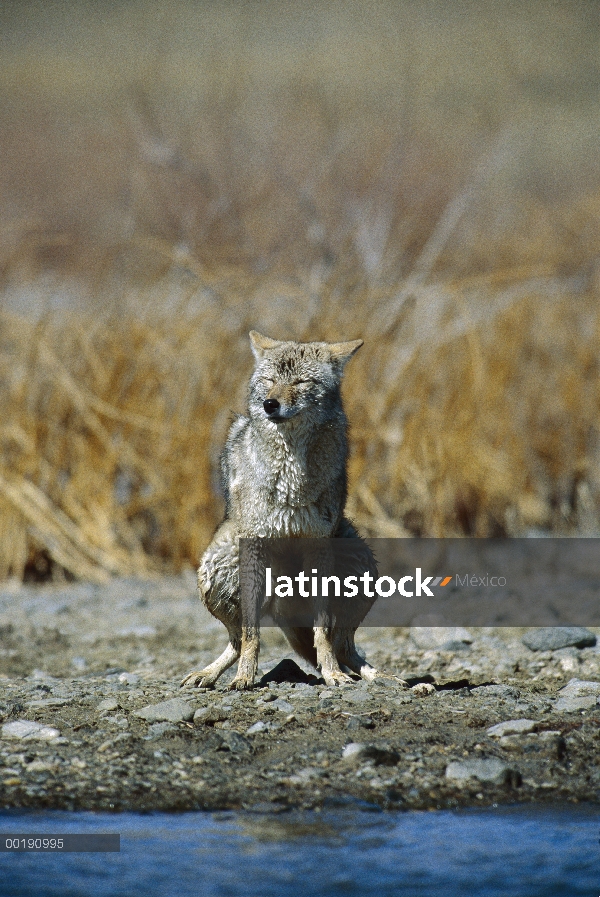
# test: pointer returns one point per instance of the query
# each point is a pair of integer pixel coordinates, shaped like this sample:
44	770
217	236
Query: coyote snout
284	475
281	404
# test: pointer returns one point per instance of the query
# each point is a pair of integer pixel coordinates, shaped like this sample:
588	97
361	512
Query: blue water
500	852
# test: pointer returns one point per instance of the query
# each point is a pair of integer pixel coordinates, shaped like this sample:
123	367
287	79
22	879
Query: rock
551	638
440	637
287	670
107	705
360	722
380	755
490	770
257	727
236	743
354	697
579	687
522	710
282	706
157	730
422	689
328	704
554	743
174	711
571	703
49	702
41	766
514	742
129	678
577	694
496	691
267	698
512	727
28	730
211	715
304	775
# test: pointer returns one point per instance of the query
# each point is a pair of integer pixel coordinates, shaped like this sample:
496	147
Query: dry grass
142	237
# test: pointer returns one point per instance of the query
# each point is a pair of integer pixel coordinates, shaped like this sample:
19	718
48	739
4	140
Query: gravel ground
485	719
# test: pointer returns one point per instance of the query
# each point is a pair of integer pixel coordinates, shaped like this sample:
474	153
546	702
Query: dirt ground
88	664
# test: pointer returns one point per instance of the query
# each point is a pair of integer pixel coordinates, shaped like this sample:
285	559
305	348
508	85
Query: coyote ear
261	343
341	353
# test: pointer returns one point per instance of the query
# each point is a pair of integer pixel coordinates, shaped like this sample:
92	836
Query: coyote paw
198	679
336	677
241	683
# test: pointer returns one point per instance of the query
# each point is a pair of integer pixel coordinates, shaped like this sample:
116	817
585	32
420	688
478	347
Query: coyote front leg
248	664
326	659
218	584
252	598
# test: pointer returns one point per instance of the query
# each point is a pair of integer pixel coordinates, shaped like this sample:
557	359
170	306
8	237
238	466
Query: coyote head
297	380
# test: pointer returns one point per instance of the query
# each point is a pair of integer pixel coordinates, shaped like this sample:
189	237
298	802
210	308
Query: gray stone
282	706
257	727
129	678
514	742
174	711
577	694
408	698
512	727
360	722
579	687
303	776
571	703
211	715
490	770
379	755
328	704
356	697
430	638
107	705
496	691
551	638
28	730
522	710
236	743
49	702
157	730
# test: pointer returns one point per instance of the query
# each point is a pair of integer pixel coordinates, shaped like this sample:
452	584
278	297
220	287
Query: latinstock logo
384	586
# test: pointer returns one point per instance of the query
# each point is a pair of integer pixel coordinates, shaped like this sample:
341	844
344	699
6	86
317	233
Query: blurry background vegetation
422	174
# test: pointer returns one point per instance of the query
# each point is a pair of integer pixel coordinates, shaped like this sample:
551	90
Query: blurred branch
390	314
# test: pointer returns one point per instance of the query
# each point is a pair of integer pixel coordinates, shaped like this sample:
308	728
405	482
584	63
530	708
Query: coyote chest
288	474
289	504
280	493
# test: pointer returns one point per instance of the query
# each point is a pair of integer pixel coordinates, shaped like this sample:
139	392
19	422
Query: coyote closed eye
284	475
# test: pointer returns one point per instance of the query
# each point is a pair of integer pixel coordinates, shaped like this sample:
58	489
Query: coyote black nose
271	405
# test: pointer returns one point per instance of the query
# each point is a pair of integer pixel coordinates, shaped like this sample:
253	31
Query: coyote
284	475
